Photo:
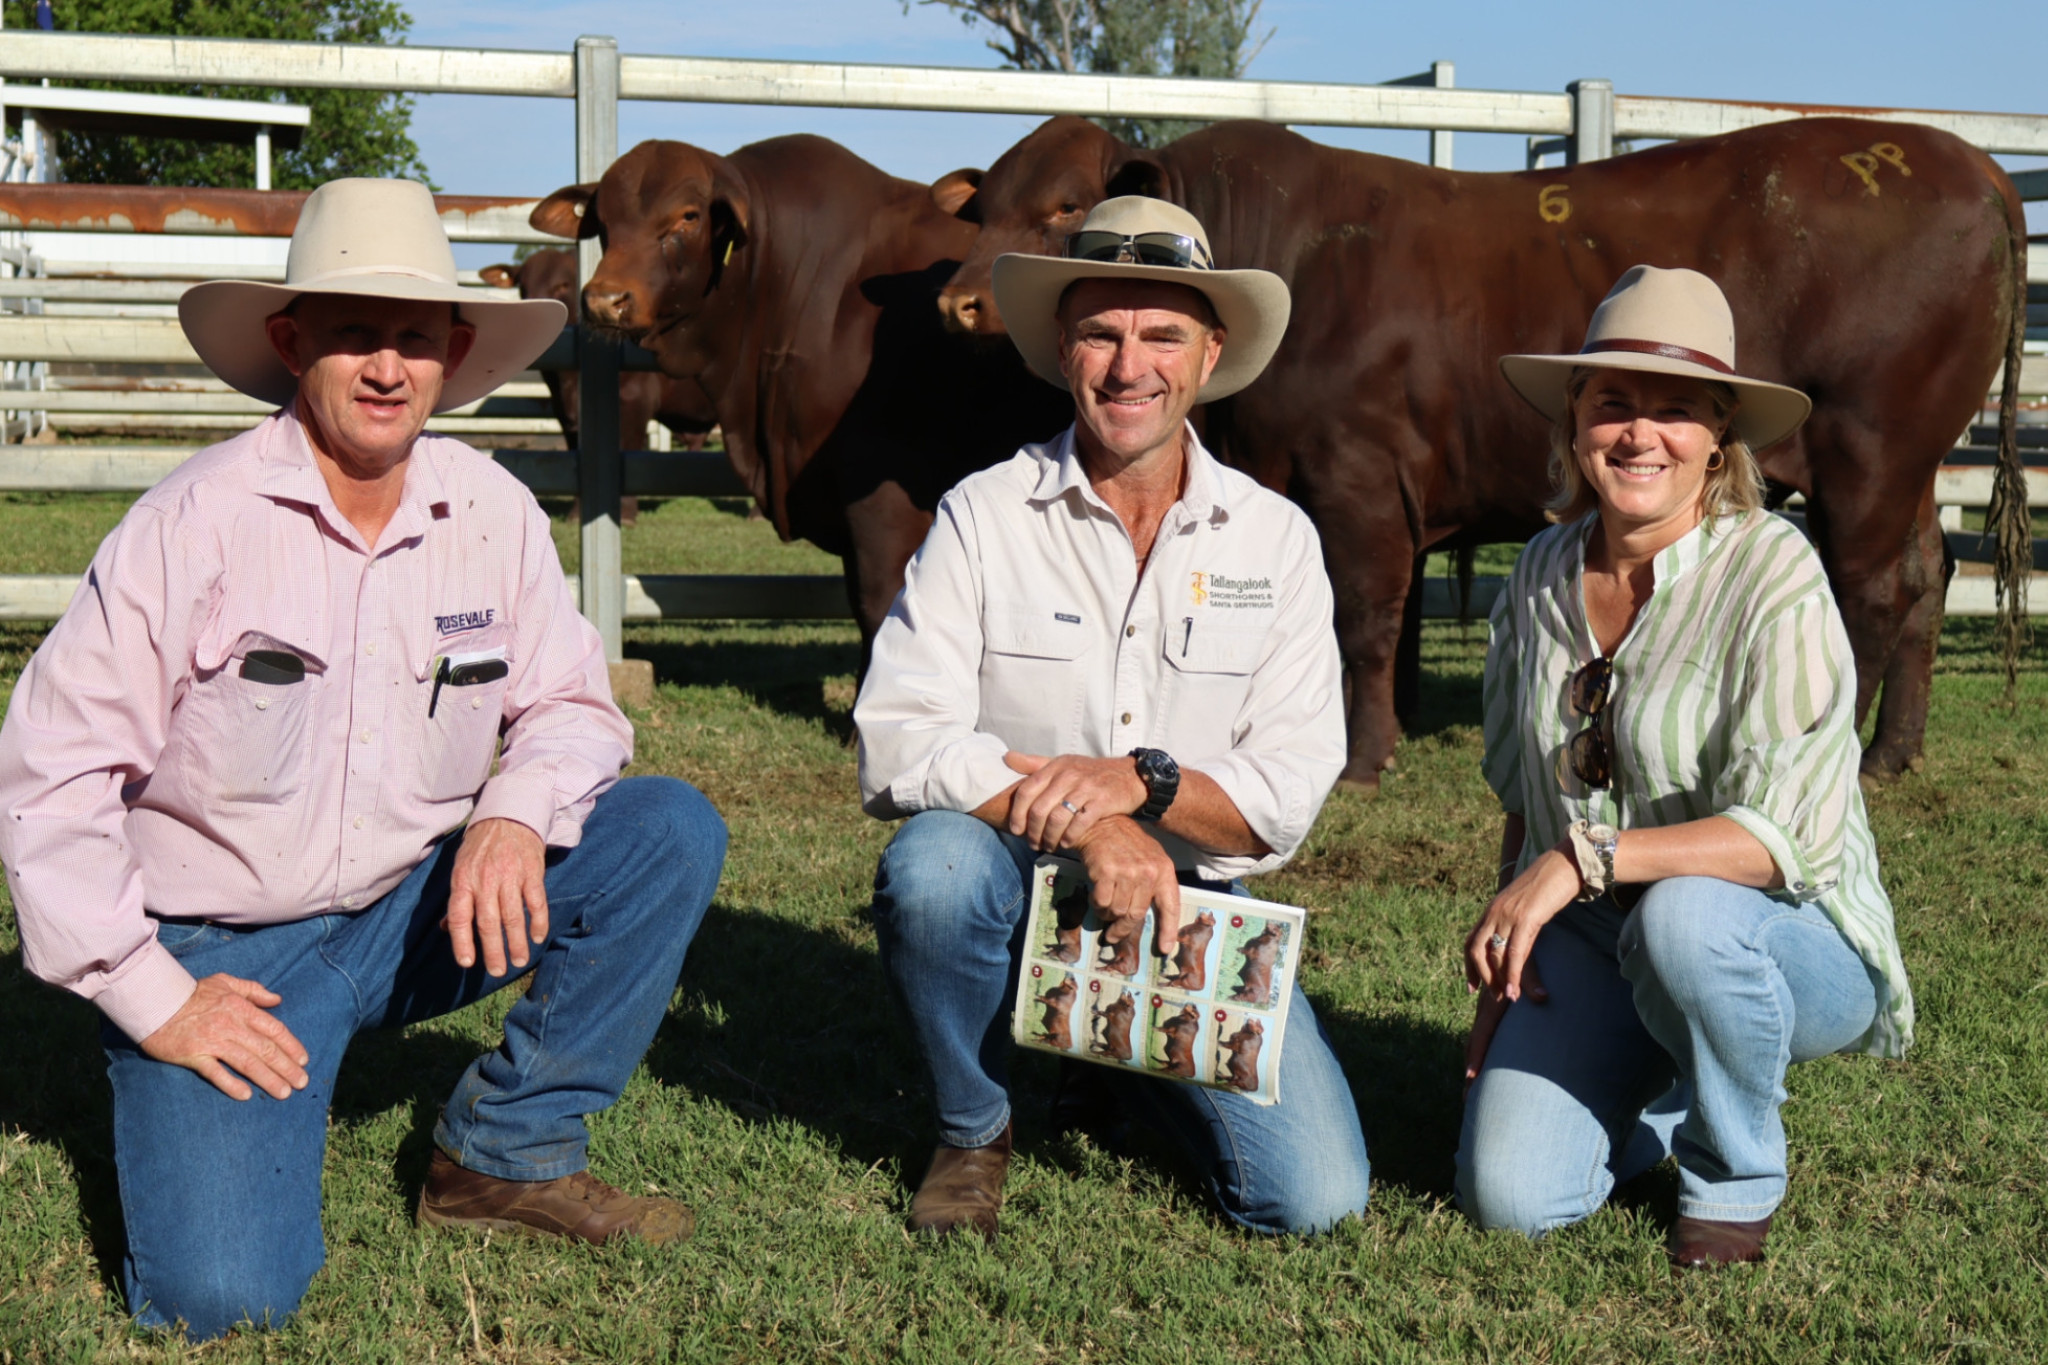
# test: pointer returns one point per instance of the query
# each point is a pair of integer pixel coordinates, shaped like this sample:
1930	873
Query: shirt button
348	902
1127	718
1129	631
359	822
263	704
366	736
475	702
369	649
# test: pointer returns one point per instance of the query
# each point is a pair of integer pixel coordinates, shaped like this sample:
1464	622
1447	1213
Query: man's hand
227	1023
1131	874
1061	799
498	895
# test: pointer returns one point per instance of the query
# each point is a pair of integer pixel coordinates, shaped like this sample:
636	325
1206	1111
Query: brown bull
1878	266
643	397
794	284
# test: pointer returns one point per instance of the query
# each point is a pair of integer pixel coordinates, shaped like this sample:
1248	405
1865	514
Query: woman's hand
1486	1021
1516	915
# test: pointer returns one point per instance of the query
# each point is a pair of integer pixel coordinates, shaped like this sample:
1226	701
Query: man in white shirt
1112	647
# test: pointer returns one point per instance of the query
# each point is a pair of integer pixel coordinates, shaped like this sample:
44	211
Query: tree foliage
354	132
1216	38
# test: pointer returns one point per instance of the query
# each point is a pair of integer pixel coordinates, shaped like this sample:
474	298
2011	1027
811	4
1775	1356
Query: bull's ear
566	212
1137	176
731	208
955	194
502	276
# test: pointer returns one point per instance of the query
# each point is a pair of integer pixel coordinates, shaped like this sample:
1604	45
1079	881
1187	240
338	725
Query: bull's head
670	217
1030	201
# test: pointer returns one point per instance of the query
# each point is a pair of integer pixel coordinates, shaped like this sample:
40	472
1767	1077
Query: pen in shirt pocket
465	670
1187	635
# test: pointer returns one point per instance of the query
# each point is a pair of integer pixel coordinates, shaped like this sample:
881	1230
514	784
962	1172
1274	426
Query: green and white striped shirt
1734	694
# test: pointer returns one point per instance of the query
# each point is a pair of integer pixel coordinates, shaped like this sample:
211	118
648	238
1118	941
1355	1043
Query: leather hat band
1662	348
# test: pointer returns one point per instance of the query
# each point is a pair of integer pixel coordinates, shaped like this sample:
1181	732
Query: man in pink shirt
247	801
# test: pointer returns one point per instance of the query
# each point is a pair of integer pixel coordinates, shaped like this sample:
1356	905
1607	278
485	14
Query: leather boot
580	1206
963	1190
1697	1243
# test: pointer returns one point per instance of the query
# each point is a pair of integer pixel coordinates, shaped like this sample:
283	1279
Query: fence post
1592	137
599	468
1439	140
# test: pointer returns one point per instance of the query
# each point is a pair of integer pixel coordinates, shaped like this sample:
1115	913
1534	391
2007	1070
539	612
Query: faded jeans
222	1197
1667	1032
950	903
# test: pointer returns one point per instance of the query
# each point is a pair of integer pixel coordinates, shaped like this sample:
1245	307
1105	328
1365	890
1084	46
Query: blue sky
1961	54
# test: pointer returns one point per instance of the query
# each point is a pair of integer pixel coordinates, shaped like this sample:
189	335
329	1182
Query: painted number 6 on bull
1865	164
1551	205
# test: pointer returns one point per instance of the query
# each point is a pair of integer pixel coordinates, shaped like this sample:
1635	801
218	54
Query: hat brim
1252	306
1768	412
224	320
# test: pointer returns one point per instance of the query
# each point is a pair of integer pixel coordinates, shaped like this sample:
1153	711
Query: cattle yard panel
1589	116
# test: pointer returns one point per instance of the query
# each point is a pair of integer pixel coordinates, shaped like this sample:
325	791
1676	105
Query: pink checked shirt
139	771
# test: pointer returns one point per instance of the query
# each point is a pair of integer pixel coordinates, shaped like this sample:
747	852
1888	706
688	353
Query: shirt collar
1060	473
290	473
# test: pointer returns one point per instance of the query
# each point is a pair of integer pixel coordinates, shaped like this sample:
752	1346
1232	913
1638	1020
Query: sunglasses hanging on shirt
1587	752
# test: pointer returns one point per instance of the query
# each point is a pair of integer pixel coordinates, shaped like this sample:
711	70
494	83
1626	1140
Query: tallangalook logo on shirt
1223	590
461	621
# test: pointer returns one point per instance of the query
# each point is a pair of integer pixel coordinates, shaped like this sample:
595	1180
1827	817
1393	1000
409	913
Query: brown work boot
579	1206
1697	1243
963	1189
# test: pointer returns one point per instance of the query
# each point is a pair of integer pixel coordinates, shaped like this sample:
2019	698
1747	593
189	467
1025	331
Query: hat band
1660	348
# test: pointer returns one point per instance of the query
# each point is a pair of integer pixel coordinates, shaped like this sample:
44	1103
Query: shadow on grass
782	675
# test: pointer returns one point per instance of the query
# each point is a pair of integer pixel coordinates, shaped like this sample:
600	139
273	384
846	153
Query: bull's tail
2007	521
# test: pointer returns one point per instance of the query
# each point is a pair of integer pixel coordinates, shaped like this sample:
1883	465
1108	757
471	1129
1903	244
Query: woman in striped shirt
1689	897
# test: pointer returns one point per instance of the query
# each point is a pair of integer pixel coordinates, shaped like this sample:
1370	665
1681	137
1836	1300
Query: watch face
1602	834
1156	765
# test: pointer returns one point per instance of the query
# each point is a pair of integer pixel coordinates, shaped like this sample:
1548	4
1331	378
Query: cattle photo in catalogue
795	286
1875	265
1125	959
1260	952
1237	1057
1056	1029
1060	934
1110	1025
1176	1032
1191	959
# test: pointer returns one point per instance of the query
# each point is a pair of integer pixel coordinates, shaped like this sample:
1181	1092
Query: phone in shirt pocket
460	703
246	716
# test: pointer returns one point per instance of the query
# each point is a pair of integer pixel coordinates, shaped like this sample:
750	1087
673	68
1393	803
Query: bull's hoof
1360	786
1884	765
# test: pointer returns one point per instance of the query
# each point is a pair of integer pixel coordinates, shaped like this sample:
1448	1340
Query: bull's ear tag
727	260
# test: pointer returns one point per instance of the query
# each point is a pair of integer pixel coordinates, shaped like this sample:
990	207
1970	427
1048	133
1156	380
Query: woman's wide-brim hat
376	239
1252	305
1663	322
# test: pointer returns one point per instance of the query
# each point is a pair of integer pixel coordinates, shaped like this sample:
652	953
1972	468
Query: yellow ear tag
728	253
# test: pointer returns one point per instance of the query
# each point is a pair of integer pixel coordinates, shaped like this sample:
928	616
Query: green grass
782	1099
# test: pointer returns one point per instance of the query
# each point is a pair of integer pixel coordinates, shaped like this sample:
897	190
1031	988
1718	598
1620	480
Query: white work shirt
1023	625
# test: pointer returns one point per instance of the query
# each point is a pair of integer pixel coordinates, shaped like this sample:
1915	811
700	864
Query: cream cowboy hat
1251	304
378	238
1663	322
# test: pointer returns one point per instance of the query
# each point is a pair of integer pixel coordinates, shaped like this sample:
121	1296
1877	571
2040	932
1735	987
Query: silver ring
1071	806
1497	943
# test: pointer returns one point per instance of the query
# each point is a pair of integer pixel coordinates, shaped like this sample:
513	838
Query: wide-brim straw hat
1664	322
378	239
1252	305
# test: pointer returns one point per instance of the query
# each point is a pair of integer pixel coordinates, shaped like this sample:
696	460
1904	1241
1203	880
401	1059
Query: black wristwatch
1161	776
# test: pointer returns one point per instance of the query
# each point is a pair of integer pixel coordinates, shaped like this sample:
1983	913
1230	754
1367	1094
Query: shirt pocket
1033	681
1208	679
247	739
459	741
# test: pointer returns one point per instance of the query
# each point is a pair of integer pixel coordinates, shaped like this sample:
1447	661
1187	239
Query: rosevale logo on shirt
462	621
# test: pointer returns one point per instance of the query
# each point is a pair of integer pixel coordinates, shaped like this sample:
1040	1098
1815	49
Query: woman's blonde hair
1737	486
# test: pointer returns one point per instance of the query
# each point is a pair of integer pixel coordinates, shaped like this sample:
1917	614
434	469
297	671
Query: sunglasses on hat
1142	248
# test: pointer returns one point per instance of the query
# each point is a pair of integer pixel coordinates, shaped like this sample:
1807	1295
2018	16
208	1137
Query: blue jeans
222	1197
950	903
1667	1032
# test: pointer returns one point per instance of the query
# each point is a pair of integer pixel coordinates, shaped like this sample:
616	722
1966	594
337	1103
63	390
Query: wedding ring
1071	806
1497	943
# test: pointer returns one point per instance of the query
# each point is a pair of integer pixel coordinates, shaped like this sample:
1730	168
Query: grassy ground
782	1100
